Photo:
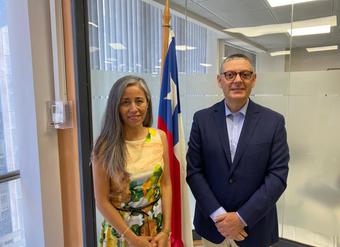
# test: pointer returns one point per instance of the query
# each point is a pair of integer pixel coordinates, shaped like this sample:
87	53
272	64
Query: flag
170	121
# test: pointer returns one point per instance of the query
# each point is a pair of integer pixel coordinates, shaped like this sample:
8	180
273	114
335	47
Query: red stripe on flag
175	175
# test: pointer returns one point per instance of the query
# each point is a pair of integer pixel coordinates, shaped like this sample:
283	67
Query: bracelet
123	234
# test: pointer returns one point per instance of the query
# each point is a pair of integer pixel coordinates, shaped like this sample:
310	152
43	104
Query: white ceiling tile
228	6
250	18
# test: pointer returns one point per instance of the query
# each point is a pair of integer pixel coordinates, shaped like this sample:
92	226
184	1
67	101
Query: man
237	163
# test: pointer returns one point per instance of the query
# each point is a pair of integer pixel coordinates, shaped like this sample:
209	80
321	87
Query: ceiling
223	14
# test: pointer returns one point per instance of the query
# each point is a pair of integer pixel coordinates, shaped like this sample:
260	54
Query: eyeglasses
231	75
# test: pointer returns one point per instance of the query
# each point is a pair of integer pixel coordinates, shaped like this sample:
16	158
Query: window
11	223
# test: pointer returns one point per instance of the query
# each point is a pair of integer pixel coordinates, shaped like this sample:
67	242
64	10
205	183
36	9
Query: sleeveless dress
142	211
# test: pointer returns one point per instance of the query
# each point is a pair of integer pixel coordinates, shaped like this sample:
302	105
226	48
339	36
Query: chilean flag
170	121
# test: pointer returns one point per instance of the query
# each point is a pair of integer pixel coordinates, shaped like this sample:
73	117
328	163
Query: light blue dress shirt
235	122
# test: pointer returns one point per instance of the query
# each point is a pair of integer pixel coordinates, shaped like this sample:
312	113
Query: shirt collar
243	110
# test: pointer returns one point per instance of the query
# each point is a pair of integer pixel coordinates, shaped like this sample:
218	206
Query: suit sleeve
275	181
196	180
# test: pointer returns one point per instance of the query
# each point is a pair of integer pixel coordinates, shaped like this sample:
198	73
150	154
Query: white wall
267	63
302	60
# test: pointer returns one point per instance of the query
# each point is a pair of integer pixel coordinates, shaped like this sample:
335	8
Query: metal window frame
84	115
9	176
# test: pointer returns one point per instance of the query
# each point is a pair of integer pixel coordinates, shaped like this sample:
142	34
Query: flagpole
166	31
170	121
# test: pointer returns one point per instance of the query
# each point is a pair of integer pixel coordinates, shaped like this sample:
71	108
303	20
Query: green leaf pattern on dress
143	212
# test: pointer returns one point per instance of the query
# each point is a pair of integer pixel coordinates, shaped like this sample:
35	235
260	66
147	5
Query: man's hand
230	226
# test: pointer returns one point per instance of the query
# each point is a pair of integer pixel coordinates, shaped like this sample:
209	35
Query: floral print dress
142	208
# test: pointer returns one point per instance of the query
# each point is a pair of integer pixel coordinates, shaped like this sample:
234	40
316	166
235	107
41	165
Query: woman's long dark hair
109	149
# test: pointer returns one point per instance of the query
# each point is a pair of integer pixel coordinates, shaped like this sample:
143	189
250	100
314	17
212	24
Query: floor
281	243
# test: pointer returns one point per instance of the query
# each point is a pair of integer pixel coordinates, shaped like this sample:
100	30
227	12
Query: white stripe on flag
179	150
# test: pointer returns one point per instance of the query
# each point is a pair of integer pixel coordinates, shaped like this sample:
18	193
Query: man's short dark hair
234	57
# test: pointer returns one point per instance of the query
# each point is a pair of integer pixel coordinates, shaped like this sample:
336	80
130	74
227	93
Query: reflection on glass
11	224
7	127
301	85
125	36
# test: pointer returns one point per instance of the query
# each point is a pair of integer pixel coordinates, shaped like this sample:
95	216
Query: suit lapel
249	125
221	126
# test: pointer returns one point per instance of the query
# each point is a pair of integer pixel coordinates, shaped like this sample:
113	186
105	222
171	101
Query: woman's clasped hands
160	240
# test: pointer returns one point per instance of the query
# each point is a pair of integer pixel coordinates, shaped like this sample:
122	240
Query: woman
130	169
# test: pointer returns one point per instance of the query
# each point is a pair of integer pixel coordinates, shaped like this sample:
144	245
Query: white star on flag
172	95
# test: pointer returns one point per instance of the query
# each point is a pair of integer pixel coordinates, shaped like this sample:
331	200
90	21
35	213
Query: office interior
73	51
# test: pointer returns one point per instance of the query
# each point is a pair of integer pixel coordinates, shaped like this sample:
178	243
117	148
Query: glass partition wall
312	200
125	38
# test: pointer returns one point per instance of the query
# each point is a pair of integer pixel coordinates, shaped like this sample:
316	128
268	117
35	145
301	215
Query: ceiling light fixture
206	64
185	48
117	46
93	48
320	24
93	24
322	48
309	30
278	3
279	53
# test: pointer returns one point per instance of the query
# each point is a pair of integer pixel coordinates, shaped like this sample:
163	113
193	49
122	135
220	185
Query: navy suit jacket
251	184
